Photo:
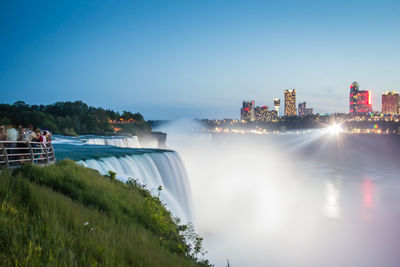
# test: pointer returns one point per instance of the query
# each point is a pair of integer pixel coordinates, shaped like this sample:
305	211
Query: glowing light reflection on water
331	205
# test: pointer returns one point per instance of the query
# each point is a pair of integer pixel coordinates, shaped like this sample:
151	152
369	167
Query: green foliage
5	121
111	175
69	118
68	132
193	242
138	128
66	214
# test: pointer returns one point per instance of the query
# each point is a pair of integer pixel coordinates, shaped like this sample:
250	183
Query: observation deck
15	153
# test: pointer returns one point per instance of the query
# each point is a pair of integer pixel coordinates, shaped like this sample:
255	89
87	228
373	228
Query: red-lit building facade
364	102
360	101
247	111
390	103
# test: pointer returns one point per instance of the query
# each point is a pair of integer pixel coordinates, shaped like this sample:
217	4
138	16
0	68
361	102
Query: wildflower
86	223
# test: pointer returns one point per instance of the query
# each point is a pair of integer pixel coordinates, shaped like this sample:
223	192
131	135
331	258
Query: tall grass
68	215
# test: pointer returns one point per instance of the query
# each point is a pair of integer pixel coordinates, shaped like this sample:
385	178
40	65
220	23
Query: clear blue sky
199	58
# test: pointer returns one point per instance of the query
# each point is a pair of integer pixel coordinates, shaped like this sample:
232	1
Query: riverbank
66	214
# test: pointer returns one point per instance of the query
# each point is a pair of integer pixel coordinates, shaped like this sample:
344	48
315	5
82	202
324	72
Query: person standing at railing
48	136
42	138
37	139
30	135
12	135
21	132
3	134
21	145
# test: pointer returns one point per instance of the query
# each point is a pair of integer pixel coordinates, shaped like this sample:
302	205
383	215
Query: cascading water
163	168
131	142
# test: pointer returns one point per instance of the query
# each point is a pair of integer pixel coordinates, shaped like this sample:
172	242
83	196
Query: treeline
68	118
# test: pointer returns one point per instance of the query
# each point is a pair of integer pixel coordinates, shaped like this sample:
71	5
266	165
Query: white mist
259	202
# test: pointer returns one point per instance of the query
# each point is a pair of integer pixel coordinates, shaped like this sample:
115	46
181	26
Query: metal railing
15	153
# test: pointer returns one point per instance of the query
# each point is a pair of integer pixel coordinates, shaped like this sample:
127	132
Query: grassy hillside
68	215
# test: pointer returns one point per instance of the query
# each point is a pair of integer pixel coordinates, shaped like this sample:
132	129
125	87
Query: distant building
360	101
247	111
390	103
271	115
260	113
277	104
353	96
290	102
303	110
364	102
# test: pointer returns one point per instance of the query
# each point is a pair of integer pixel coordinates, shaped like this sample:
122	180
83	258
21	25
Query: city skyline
360	102
197	59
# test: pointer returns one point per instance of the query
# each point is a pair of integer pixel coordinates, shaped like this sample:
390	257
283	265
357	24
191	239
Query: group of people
18	152
30	134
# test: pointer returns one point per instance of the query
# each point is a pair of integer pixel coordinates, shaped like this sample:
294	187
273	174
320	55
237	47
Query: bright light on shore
335	129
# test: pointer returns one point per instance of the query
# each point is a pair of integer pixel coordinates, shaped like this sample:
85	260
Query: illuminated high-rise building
353	96
290	102
390	102
247	111
304	111
364	104
277	104
260	113
360	101
271	115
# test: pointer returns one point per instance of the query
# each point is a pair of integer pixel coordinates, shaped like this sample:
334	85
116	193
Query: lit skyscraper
353	96
390	102
277	104
271	115
303	110
360	101
247	111
260	113
290	102
364	104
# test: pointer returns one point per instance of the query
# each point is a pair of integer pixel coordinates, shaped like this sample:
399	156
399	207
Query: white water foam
130	142
153	169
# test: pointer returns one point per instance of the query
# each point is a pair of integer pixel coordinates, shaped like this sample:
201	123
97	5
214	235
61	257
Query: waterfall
132	142
152	169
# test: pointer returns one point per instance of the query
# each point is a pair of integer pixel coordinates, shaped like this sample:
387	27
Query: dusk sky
197	59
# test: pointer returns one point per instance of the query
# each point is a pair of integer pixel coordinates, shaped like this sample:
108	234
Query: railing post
47	154
52	152
31	151
5	155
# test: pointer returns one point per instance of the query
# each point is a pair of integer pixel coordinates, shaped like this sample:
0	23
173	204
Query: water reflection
368	193
332	195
